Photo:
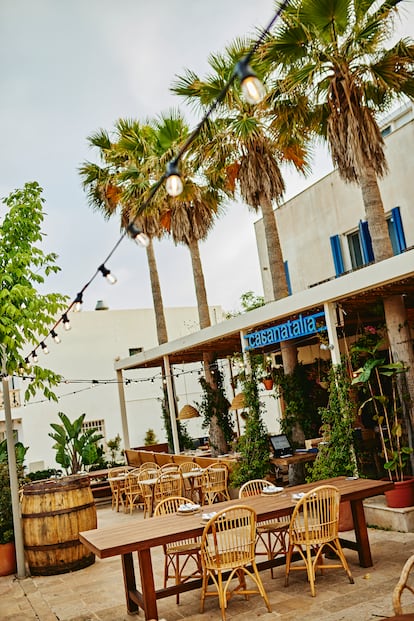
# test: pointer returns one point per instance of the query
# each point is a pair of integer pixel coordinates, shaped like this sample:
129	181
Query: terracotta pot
268	383
7	558
402	495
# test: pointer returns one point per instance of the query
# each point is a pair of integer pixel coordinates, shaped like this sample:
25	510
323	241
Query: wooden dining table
122	540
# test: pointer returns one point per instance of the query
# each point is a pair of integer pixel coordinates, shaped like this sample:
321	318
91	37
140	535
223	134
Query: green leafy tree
75	448
25	314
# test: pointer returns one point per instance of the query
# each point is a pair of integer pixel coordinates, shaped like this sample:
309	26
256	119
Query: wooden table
295	464
123	540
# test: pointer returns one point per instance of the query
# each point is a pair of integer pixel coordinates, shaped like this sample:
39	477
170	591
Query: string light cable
243	72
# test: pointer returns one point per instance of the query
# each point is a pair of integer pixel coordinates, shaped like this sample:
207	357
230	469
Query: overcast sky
71	67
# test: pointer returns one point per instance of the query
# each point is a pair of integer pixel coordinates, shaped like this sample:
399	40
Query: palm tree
334	53
105	185
240	143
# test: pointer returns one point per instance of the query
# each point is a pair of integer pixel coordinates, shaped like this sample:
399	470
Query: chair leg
288	561
343	560
310	570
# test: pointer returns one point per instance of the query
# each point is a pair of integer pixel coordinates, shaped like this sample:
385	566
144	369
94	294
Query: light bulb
111	278
34	356
66	322
78	303
253	90
55	336
138	235
173	184
142	240
44	347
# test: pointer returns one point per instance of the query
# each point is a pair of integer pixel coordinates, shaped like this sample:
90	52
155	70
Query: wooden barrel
54	511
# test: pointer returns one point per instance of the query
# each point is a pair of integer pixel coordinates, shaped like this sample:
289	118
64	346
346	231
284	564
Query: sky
70	68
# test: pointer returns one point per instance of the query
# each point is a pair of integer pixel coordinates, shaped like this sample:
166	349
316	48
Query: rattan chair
406	581
169	483
182	560
227	552
272	534
192	480
313	529
132	491
214	484
116	478
147	478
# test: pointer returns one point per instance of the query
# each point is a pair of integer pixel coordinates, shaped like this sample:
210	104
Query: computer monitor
280	445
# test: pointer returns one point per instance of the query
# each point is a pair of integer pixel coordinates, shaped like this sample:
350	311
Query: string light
44	347
66	322
55	336
78	302
107	274
173	183
138	235
252	88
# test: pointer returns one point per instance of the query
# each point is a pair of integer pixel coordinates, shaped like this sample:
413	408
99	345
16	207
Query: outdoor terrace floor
96	593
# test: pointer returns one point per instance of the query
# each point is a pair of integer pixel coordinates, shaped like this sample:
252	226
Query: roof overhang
357	292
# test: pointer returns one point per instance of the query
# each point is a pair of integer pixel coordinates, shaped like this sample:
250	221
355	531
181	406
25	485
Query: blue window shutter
337	255
366	243
285	265
398	228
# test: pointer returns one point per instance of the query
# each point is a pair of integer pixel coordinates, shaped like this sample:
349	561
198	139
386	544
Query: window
97	425
355	250
135	350
386	131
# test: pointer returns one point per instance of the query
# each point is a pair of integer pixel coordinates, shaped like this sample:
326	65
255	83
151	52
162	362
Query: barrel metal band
58	511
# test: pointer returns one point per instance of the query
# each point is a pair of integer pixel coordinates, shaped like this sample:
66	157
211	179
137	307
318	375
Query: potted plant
7	547
388	407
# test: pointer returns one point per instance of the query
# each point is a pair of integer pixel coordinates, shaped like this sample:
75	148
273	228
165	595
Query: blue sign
292	329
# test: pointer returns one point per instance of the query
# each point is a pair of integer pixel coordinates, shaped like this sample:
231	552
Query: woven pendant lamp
187	411
238	402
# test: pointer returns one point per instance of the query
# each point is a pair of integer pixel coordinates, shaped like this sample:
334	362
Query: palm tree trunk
274	251
374	211
156	296
199	283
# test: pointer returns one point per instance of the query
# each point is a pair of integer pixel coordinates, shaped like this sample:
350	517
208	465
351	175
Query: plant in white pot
388	407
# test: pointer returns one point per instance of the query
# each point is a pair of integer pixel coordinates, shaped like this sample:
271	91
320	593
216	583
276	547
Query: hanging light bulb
44	347
252	88
66	322
55	336
78	302
107	274
173	184
138	235
34	356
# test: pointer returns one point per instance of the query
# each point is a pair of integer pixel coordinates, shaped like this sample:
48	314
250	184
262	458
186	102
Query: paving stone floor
96	592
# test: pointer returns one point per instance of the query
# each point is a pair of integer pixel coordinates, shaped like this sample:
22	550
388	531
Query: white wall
330	207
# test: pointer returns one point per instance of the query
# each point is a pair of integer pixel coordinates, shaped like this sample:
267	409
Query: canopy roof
358	293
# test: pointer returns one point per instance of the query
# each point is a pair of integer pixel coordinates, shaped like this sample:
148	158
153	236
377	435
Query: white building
85	358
